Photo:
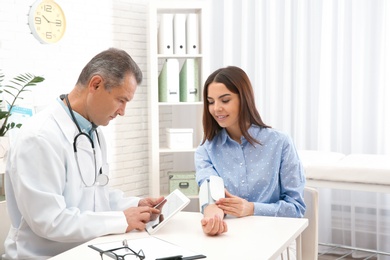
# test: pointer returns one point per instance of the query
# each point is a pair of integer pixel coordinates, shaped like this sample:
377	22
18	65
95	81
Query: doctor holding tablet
57	176
243	166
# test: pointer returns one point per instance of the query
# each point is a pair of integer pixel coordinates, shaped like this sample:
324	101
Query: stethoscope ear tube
87	136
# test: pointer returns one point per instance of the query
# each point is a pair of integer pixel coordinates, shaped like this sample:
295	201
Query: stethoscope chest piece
102	180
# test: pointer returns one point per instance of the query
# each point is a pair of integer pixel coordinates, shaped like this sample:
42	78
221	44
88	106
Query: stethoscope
100	179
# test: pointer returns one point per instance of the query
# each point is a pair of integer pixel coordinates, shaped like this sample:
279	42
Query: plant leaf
17	86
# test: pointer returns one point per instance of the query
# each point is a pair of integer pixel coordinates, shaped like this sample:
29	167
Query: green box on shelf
184	181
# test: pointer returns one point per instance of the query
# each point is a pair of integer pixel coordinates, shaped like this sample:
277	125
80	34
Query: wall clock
47	21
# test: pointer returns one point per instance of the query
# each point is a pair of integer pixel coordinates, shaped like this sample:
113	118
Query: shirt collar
225	136
84	124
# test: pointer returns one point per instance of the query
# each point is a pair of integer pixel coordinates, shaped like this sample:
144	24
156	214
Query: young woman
259	165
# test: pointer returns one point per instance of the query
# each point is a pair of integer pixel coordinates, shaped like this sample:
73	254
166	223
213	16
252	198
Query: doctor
57	173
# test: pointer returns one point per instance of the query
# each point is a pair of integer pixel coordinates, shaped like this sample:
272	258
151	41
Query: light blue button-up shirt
84	124
269	174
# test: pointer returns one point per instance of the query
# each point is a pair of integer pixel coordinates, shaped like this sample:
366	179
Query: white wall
92	26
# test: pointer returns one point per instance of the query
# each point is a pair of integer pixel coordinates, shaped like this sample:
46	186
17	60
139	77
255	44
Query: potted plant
14	89
19	84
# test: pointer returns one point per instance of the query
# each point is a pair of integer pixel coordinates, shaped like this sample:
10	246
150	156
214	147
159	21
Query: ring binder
168	82
192	34
165	34
189	81
179	34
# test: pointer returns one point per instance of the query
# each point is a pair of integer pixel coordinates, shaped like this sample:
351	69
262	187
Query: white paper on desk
151	246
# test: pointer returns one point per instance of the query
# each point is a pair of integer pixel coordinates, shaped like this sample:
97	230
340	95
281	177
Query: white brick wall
92	26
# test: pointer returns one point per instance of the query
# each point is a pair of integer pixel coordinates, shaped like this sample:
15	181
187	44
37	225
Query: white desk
247	238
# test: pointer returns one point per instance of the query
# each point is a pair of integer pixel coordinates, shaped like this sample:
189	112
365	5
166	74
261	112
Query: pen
176	257
193	257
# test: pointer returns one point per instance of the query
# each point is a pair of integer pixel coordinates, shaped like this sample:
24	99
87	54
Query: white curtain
321	72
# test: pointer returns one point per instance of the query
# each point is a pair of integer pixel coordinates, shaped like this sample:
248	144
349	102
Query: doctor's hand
235	206
212	222
151	202
136	217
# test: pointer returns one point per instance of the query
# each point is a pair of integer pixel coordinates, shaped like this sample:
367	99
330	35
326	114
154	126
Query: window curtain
320	72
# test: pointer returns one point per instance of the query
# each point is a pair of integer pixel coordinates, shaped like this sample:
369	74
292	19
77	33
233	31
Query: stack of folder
178	34
179	85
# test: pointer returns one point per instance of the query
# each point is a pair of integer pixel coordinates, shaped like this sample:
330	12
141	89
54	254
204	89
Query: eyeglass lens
122	254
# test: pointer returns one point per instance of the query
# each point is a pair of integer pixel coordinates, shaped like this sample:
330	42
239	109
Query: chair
310	234
5	224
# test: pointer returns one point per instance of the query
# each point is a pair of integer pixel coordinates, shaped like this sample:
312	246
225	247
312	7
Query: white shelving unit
173	115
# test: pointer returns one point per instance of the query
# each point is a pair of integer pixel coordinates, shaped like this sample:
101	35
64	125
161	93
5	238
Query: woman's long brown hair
237	81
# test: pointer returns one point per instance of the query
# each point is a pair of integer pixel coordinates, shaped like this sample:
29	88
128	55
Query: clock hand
46	19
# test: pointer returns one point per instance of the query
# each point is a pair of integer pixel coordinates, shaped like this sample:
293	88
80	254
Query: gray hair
112	65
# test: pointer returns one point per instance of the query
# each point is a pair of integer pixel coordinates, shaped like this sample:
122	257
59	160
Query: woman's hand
212	222
235	206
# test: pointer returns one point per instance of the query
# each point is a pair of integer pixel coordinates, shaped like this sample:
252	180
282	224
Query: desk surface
247	238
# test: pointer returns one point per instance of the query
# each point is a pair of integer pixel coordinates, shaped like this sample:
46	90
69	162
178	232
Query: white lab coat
50	208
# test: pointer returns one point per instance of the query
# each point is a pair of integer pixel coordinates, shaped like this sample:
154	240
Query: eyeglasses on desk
122	253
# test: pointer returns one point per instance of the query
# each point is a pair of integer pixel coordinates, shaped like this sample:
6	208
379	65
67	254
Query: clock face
47	21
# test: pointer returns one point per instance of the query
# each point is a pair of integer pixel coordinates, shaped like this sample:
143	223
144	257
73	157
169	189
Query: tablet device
173	203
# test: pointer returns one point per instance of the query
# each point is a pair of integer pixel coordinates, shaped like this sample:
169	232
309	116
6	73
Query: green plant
17	86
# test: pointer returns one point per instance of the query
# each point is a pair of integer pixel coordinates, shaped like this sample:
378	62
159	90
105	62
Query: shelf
176	56
169	150
180	103
168	114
